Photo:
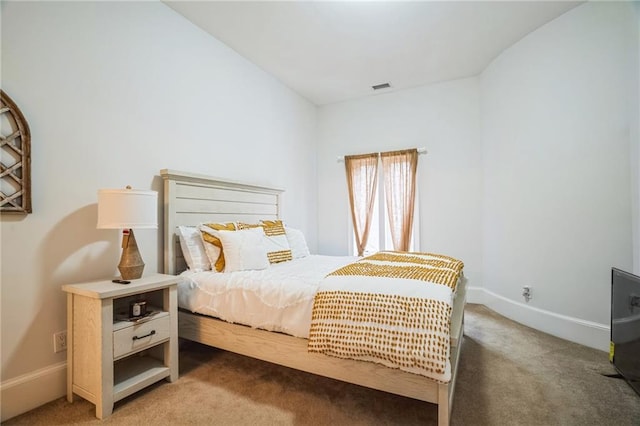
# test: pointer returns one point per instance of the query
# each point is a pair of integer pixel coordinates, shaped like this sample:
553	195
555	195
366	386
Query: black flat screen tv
625	326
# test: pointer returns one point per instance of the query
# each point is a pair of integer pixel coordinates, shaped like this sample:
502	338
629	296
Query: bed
191	199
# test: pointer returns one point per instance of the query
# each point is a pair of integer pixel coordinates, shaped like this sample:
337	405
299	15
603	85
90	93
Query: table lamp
127	209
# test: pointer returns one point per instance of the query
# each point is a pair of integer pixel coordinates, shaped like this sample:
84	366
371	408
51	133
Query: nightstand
110	356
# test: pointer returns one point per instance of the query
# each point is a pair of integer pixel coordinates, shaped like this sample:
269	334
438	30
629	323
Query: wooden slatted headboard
191	199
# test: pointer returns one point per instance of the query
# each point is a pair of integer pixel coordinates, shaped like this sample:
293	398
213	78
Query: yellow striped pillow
278	249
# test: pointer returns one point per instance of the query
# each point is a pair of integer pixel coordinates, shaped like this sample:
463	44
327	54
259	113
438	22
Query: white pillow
244	249
297	243
192	248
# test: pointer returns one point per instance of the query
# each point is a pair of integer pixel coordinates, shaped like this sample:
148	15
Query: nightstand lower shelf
135	373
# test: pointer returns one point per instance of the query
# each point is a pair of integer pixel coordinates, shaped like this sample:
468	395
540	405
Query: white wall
558	133
444	118
113	92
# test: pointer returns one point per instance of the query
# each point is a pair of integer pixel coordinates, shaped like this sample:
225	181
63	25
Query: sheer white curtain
362	181
400	169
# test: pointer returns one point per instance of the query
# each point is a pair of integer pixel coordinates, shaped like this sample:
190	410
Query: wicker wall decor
15	158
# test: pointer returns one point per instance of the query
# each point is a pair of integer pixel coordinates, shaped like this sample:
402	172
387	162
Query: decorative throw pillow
297	242
193	248
244	249
212	244
278	249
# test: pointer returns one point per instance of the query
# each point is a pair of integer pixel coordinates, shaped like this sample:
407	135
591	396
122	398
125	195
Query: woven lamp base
131	264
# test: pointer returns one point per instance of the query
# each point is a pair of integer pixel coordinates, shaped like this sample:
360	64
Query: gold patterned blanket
392	308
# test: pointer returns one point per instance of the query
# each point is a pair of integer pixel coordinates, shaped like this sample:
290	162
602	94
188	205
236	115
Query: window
380	232
382	214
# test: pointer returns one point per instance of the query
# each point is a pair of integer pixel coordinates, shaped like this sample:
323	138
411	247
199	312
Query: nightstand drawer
140	336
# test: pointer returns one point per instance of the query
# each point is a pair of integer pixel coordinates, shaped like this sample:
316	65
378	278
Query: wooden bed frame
190	199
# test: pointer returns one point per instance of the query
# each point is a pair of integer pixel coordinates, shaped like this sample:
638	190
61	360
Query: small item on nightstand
120	281
137	309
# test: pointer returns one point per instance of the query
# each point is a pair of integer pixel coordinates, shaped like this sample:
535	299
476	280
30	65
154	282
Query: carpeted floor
509	375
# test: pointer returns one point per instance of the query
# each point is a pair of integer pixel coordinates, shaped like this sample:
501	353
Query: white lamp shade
127	208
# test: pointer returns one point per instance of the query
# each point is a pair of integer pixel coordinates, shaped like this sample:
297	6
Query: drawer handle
146	335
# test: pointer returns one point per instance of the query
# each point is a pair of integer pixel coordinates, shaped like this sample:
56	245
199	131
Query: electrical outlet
60	341
526	293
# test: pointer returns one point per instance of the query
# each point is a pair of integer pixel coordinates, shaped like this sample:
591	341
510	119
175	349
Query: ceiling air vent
381	86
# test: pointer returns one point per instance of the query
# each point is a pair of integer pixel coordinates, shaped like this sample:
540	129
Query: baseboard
475	295
26	392
587	333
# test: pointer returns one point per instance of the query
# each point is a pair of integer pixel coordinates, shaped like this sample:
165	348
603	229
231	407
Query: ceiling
335	51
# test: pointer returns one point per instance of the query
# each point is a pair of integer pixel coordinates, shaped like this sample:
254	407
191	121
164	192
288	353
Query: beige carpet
509	375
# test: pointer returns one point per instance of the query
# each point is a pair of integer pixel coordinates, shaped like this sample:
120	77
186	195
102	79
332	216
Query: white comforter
279	298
